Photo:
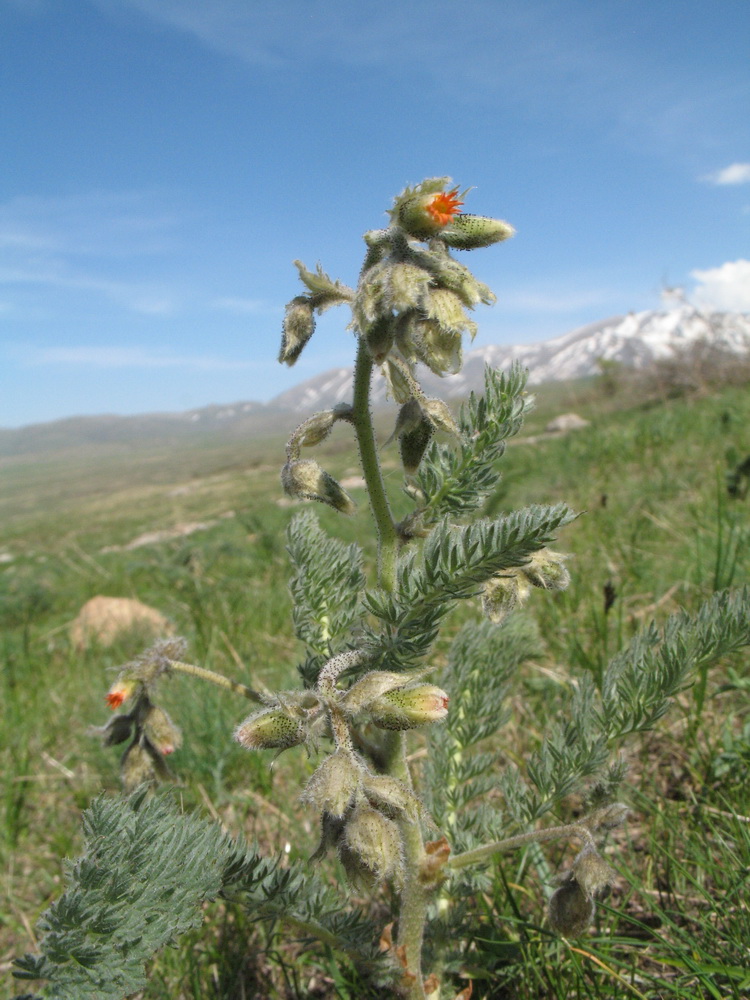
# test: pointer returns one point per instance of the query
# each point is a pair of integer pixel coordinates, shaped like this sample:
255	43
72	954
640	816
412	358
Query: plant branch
219	679
486	851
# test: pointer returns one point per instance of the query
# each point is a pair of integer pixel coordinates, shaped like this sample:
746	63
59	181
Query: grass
657	531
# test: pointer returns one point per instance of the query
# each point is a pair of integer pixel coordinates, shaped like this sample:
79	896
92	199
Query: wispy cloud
87	242
538	301
735	173
126	357
724	288
242	307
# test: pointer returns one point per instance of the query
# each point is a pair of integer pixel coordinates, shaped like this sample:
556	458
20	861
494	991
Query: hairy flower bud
570	910
409	418
407	286
409	707
441	350
413	444
270	729
390	796
117	730
593	874
160	731
299	326
334	784
502	595
440	416
379	338
446	309
311	432
306	480
451	274
368	688
400	383
138	765
547	569
470	232
374	840
572	906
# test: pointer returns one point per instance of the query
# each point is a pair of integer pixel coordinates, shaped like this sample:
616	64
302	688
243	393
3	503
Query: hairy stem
486	851
415	895
362	420
215	678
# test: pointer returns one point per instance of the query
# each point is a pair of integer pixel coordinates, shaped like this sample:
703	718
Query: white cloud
735	173
724	288
126	357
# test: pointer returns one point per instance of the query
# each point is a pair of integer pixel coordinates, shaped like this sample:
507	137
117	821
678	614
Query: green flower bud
572	906
305	480
407	286
311	432
331	829
451	274
440	416
570	909
410	417
547	569
374	840
593	874
446	309
299	326
469	232
369	302
160	731
334	784
439	349
399	382
407	708
368	688
136	767
502	595
117	730
390	796
413	444
379	338
270	729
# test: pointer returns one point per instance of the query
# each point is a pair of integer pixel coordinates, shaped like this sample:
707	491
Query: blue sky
163	161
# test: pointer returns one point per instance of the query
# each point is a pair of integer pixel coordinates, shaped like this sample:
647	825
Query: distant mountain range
634	340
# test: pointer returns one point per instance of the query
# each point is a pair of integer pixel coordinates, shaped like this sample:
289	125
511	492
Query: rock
566	422
103	620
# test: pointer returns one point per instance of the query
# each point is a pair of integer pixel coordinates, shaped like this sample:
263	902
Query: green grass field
658	531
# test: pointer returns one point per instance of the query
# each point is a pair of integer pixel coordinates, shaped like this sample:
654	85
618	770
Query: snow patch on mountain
635	340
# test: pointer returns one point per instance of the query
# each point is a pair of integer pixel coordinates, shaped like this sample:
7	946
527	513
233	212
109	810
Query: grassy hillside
657	531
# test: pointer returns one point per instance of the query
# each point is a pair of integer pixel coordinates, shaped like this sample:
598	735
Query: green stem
219	679
368	455
486	851
415	896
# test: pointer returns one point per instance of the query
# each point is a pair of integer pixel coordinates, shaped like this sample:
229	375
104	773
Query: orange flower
443	206
119	692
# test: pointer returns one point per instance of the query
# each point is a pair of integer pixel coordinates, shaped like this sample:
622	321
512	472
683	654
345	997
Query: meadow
658	531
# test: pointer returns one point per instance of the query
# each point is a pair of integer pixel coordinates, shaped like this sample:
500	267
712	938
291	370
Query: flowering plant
371	680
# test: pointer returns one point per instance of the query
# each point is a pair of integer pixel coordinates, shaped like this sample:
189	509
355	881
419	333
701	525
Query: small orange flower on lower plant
120	692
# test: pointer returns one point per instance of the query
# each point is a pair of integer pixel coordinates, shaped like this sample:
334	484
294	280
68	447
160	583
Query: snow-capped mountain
635	340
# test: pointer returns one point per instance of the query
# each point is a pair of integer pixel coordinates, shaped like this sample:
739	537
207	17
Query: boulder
103	620
566	422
